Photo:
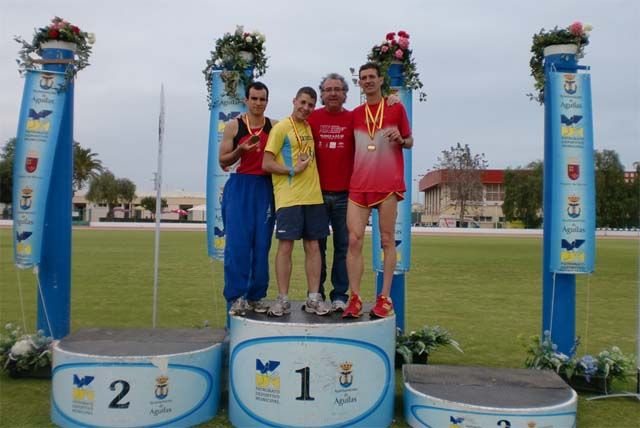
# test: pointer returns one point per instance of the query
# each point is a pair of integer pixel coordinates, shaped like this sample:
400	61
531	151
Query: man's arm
269	164
227	155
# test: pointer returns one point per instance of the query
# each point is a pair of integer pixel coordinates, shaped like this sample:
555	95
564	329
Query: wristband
292	172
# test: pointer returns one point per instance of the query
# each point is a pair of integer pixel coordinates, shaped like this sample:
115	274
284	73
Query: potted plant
25	355
395	49
575	34
588	373
418	345
235	53
57	31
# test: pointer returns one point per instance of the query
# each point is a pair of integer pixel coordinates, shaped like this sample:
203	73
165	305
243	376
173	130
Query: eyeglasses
332	89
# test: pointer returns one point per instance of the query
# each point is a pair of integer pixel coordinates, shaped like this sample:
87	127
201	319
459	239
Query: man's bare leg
387	211
283	265
356	223
312	265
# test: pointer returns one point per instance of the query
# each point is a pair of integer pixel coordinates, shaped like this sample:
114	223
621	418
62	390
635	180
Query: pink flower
403	33
391	36
403	42
384	48
576	28
398	54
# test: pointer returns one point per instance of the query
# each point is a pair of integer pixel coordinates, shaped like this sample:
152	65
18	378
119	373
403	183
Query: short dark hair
258	86
370	66
309	91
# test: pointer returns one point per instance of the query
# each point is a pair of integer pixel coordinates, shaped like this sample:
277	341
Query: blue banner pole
403	221
54	270
558	289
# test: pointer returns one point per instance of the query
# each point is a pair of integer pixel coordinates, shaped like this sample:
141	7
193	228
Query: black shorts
309	222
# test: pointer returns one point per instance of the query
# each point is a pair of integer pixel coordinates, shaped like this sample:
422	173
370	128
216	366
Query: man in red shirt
332	127
381	132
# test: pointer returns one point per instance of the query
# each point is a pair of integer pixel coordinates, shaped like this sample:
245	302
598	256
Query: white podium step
460	397
304	370
136	377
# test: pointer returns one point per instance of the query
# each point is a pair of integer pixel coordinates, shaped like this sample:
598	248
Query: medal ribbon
295	131
371	120
245	119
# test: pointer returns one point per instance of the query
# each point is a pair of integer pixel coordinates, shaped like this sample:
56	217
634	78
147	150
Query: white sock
284	297
315	296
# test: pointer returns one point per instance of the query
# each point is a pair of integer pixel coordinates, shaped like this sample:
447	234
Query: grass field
485	290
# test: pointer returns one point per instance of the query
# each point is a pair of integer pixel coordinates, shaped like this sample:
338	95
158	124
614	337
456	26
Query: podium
304	370
456	397
136	377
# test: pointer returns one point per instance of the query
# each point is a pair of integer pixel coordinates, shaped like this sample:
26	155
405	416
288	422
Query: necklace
373	122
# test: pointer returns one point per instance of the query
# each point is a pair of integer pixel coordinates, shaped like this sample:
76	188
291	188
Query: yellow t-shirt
287	143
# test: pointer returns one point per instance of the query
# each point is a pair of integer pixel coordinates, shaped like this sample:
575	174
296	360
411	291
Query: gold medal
371	147
255	136
304	156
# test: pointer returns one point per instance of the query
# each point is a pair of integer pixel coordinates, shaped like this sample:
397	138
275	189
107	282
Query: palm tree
86	166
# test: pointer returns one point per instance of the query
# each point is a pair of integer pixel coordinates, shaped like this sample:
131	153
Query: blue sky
473	58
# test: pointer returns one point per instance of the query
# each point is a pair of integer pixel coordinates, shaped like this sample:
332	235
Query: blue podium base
457	397
136	377
304	370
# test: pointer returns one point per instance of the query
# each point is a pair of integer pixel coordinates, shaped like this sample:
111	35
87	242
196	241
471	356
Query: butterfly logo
37	115
266	375
82	381
218	232
573	245
22	236
224	117
455	422
573	120
267	367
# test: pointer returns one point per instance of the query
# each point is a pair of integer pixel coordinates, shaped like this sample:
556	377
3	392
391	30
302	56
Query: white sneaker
258	306
239	307
318	307
338	305
279	308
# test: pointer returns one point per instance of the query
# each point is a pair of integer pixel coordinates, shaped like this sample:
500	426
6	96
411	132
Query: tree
149	204
107	189
611	190
6	171
85	166
633	198
463	176
523	195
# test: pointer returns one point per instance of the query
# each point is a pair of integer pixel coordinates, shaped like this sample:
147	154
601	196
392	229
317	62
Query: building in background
440	210
182	206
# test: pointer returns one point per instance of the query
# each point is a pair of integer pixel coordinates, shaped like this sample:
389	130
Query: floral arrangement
543	354
22	353
575	34
395	48
234	53
59	30
418	345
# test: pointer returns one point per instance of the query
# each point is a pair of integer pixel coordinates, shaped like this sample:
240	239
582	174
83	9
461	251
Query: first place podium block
304	370
136	377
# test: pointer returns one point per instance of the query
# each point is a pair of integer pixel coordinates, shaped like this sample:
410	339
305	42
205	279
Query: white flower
91	38
260	37
8	326
248	39
587	28
22	347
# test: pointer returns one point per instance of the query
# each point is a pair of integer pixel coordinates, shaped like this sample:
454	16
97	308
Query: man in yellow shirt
300	212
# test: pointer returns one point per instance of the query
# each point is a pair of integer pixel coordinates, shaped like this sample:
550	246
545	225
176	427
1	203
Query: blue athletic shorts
309	222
